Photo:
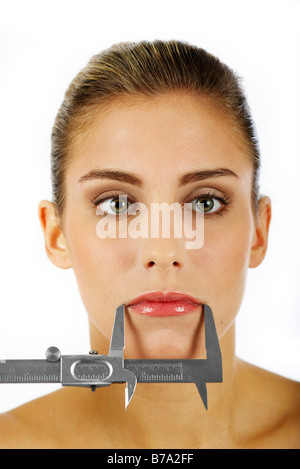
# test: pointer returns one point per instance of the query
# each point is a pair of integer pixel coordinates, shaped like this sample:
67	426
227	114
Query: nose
163	254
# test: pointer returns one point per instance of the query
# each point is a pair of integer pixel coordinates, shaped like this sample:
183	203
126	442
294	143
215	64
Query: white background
43	44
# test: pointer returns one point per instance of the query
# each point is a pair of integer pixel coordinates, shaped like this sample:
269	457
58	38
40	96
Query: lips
158	303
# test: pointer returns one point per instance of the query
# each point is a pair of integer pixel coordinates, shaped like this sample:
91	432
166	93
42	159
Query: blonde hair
132	69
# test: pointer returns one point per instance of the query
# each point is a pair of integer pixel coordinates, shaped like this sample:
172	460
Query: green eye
117	205
207	204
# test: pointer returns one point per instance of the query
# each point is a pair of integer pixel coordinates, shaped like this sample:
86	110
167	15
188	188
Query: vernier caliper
97	371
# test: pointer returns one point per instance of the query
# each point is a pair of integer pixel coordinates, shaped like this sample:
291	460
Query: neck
173	415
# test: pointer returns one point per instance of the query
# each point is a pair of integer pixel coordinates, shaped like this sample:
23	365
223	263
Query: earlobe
55	243
261	231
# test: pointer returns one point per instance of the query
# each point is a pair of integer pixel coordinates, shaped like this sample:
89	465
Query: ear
260	236
55	242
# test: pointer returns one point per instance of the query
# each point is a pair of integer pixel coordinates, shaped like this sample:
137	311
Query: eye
114	204
206	204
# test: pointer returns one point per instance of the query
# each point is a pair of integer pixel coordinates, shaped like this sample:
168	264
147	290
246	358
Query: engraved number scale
96	371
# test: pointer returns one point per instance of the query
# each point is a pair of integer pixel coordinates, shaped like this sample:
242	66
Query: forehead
167	133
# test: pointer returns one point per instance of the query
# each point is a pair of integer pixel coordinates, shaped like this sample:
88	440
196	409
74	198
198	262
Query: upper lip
164	297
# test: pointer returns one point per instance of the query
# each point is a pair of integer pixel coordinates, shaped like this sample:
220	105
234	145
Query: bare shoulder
273	402
32	425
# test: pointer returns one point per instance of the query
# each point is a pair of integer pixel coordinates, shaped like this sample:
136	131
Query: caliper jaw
117	344
212	371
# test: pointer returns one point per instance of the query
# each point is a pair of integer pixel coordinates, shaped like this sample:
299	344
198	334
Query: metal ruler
97	371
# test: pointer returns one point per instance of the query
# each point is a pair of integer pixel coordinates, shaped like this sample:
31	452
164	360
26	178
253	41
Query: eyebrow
130	178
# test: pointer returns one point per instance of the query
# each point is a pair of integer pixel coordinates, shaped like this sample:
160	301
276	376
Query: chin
162	345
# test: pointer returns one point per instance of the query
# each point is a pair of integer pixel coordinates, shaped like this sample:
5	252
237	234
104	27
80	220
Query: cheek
99	263
99	266
223	264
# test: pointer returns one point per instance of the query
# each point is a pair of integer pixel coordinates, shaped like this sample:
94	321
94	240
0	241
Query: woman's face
158	141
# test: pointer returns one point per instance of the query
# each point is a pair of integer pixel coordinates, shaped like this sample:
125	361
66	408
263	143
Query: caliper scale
95	371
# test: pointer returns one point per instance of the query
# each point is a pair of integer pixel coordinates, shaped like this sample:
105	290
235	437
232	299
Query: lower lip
171	308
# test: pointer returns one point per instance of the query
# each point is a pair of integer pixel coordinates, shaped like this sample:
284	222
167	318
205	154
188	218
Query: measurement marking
27	378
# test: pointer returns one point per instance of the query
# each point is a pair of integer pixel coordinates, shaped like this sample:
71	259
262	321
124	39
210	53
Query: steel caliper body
97	371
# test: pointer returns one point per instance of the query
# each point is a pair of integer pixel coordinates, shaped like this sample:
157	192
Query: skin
159	140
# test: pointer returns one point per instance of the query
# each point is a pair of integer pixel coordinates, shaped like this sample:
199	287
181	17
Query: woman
155	122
